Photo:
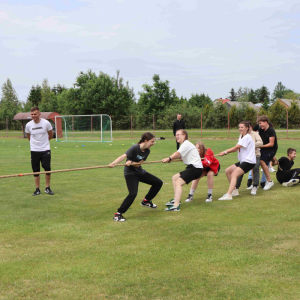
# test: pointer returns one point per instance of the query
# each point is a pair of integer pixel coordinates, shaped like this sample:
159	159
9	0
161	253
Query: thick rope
81	169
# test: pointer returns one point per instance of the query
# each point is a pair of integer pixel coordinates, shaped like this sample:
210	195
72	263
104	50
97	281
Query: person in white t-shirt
190	156
246	157
39	132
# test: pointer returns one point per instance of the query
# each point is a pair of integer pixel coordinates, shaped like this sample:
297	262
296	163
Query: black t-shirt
265	136
135	154
285	165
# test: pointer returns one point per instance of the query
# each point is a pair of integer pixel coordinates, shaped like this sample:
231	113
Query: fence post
228	125
73	125
6	127
131	126
201	125
153	125
287	124
91	126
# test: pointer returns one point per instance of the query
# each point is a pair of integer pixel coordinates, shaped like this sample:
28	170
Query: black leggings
291	174
133	184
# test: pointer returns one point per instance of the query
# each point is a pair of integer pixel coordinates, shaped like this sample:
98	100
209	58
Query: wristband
225	152
170	158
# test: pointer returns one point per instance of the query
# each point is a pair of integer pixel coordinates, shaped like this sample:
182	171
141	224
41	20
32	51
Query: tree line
104	94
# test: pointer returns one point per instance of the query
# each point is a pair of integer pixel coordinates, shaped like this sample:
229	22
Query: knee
227	171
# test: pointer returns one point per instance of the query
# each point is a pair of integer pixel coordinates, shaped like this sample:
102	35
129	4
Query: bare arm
28	136
233	149
270	144
50	134
119	159
173	156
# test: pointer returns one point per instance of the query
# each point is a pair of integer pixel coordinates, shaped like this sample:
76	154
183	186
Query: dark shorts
245	166
191	173
267	155
207	169
41	157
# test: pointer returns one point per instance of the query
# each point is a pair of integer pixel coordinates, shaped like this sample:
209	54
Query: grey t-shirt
135	154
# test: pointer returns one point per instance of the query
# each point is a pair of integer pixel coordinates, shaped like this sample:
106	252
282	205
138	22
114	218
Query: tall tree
252	97
9	104
35	95
278	91
232	96
200	100
264	95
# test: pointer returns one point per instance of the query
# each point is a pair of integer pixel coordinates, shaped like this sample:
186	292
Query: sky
198	46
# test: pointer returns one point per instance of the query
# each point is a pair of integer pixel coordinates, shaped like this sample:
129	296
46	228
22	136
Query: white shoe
291	182
235	192
250	187
253	191
261	170
208	198
268	185
226	197
272	169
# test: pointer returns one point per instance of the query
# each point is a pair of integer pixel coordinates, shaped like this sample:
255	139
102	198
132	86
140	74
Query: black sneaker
119	218
148	204
37	192
208	198
48	191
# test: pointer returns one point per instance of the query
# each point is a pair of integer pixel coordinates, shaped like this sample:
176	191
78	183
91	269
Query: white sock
192	192
209	191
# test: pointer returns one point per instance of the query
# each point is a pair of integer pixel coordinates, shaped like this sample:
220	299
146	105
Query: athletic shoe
261	170
250	187
249	182
48	191
272	169
119	218
235	192
37	192
226	197
171	202
262	184
291	182
253	191
268	185
148	204
209	198
173	208
190	198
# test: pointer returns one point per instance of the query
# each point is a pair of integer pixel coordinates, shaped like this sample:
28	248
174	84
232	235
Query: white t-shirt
39	138
189	154
247	152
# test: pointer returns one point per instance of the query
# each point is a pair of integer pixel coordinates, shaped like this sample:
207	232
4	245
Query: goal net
83	128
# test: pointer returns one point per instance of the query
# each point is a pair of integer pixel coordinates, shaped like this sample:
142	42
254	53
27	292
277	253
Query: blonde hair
202	148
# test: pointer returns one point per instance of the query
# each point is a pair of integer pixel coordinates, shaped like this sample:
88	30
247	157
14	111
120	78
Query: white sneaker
272	169
291	182
235	192
253	191
250	187
226	197
261	170
208	198
268	185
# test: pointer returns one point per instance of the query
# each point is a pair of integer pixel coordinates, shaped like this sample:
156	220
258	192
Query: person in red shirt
211	168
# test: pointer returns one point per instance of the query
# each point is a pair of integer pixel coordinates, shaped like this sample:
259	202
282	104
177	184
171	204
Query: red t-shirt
210	161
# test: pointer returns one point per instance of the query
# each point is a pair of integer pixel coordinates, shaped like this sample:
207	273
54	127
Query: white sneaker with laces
253	191
268	185
226	197
235	192
250	187
291	182
272	169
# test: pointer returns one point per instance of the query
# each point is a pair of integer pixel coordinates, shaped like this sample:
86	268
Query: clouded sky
199	46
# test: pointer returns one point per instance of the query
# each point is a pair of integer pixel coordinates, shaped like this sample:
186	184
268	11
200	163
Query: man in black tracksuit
178	124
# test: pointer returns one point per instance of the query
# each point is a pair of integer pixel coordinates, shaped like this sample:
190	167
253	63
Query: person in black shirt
268	149
178	124
135	174
285	175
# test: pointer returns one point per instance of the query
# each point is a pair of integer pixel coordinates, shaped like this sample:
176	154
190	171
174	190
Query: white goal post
83	128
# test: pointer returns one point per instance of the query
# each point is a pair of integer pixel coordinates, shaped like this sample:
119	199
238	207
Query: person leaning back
39	132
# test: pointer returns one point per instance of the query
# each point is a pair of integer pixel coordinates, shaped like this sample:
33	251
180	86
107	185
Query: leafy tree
278	91
277	114
58	89
200	100
9	104
218	117
294	115
265	105
156	98
289	94
35	95
233	117
264	95
252	97
242	93
232	96
250	114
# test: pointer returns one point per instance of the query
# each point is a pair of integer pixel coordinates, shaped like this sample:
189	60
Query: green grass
67	246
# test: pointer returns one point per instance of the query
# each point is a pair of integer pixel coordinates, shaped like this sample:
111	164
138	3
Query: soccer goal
83	128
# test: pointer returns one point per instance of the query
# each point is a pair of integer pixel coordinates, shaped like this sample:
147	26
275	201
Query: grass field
67	246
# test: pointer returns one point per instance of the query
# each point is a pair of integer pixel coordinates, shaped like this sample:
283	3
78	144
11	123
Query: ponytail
147	136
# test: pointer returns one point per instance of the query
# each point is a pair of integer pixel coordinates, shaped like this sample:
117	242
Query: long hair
202	148
147	136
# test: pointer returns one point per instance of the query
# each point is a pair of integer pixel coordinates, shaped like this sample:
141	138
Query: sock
209	191
192	192
145	200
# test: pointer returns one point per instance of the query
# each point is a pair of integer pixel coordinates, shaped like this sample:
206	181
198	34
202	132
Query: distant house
288	102
221	100
229	104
